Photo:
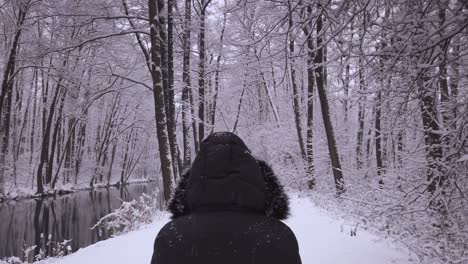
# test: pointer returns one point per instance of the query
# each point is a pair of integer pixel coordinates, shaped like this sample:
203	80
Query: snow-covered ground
322	239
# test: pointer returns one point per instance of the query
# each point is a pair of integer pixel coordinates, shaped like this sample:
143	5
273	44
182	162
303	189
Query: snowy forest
362	104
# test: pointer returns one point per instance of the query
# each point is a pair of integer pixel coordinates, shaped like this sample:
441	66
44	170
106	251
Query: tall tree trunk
443	82
201	73
79	149
57	128
69	149
125	160
378	117
218	63
196	143
168	90
186	114
66	153
264	86
44	156
170	79
296	94
103	140
347	77
109	172
432	135
307	29
6	92
19	149
9	70
400	148
454	78
378	135
361	115
369	149
346	92
33	118
5	121
244	86
80	143
321	89
158	93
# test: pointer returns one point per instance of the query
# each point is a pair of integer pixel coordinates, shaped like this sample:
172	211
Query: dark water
69	217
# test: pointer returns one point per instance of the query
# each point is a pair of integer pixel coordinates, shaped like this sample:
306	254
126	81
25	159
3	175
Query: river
32	222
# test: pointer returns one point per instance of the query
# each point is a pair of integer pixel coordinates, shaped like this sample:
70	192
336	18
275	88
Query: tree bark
454	78
196	143
378	117
321	89
432	135
44	156
170	79
295	93
378	134
57	128
264	85
168	90
442	78
361	115
201	72
347	78
218	62
109	172
33	119
6	92
158	94
186	114
244	86
307	29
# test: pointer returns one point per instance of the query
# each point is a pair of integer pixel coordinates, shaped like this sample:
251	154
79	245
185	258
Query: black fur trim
178	204
276	200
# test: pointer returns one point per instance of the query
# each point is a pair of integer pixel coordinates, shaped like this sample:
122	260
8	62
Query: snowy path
322	240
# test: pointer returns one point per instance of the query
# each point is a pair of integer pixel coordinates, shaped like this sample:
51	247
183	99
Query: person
226	209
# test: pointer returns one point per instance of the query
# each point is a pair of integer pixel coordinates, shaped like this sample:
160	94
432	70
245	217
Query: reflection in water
47	222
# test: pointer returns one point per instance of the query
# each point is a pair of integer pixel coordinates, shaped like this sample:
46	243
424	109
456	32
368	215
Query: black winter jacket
226	210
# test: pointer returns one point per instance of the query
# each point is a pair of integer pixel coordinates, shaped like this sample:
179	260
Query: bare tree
307	29
321	89
159	102
6	92
186	105
218	70
203	4
295	94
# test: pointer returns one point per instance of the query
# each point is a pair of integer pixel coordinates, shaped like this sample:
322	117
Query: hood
224	175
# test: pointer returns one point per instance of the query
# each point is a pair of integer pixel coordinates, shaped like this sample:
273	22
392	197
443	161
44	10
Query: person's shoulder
286	229
279	226
277	243
273	227
166	229
175	227
170	227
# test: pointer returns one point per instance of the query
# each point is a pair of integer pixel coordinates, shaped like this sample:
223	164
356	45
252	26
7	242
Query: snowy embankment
322	239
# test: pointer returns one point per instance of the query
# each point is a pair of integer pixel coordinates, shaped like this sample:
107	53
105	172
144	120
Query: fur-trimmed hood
224	175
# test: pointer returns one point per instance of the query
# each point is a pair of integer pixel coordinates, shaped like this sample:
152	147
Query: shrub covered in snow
46	249
130	215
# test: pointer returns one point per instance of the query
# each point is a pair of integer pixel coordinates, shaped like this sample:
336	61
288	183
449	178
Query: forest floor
322	238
